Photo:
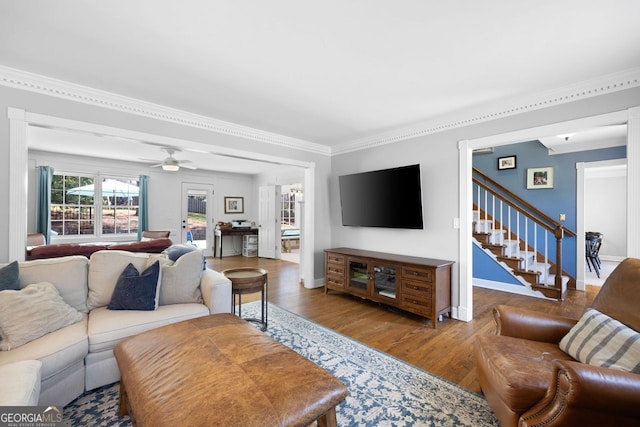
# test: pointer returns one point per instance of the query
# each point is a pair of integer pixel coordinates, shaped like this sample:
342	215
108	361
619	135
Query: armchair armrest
216	291
587	395
531	325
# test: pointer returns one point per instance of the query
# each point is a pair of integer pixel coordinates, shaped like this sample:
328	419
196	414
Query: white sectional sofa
80	357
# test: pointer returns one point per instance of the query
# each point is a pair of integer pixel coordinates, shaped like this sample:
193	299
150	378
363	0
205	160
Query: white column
633	183
462	294
18	182
307	231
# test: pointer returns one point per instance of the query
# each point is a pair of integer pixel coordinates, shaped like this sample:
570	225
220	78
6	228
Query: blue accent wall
484	267
552	201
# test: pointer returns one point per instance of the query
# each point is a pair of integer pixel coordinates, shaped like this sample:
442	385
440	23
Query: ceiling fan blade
183	161
157	166
187	166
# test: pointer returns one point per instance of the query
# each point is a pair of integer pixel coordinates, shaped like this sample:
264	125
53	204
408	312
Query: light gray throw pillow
180	282
32	312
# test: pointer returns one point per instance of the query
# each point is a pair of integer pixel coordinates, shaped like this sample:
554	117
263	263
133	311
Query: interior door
197	216
269	222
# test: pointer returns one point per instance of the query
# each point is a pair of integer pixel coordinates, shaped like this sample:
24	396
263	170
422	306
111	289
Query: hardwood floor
445	351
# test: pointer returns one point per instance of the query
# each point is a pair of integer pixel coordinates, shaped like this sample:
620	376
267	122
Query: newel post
559	233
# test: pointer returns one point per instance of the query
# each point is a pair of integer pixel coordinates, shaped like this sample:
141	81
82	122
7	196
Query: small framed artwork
539	178
508	162
233	205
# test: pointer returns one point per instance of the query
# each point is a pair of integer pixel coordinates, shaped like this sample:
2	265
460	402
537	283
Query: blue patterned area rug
383	390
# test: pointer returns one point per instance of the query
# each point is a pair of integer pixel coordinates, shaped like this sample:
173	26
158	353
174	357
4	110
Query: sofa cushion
107	328
520	371
10	277
64	249
57	350
104	269
68	274
33	312
599	340
20	383
151	246
180	282
137	291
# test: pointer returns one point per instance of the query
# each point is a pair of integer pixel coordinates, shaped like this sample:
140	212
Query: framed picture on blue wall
538	178
508	162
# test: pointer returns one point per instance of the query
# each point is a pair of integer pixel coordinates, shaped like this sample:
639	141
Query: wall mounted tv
389	198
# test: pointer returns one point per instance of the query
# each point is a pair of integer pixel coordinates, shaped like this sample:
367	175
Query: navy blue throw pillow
136	291
9	277
176	251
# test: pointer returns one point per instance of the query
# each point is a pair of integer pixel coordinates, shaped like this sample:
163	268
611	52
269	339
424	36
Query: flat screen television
389	198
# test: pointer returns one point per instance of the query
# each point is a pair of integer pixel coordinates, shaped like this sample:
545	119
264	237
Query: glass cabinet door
358	280
384	281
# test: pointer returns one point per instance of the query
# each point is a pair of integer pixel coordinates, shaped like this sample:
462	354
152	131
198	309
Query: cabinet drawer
416	303
417	288
334	280
414	273
335	269
335	258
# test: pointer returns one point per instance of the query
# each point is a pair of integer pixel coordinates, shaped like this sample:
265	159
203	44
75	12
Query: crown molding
24	80
607	84
49	86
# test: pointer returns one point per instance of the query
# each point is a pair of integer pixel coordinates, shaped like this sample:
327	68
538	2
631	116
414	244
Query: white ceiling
329	72
135	150
587	139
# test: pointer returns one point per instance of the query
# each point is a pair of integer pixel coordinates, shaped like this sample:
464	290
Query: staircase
520	238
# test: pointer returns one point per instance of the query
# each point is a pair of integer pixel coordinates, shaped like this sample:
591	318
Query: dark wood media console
419	285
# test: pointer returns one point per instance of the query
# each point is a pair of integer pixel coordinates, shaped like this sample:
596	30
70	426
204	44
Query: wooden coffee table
221	370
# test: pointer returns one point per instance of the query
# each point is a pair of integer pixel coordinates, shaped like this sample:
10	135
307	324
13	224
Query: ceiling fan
171	164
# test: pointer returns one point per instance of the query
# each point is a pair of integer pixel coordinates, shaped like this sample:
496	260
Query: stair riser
513	263
481	237
530	277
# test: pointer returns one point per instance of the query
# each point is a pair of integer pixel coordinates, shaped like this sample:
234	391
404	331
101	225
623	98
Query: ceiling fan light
566	136
170	167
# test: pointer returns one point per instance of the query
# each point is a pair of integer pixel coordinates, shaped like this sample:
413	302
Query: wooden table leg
328	419
124	410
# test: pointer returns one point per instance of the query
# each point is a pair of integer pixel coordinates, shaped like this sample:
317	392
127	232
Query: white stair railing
497	218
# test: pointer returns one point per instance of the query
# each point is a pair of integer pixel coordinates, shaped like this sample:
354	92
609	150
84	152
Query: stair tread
510	257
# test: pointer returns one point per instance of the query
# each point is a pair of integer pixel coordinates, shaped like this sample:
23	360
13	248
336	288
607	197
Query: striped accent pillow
599	340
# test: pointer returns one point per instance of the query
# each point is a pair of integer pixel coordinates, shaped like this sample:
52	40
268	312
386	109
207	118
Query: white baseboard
461	313
507	287
612	258
317	283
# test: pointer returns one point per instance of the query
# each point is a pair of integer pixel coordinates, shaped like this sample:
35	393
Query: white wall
606	209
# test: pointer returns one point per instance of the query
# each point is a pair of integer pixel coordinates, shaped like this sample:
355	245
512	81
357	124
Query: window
81	202
290	193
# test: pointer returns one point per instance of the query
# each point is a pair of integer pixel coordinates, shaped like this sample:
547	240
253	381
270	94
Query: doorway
464	310
197	217
602	207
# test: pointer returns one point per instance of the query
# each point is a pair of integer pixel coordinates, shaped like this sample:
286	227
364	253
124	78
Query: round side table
248	280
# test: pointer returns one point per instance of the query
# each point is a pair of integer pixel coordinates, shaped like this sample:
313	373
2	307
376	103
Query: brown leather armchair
529	381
